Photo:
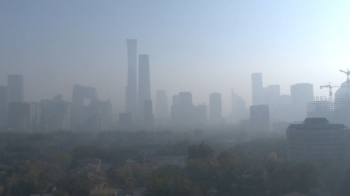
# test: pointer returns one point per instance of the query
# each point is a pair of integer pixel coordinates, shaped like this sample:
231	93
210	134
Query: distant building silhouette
148	116
239	109
24	117
215	107
3	106
15	85
131	88
182	109
301	94
161	105
144	88
260	118
257	89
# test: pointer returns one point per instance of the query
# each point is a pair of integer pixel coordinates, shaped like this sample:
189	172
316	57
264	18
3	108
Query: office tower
3	106
257	89
239	108
15	85
272	95
148	114
260	117
301	94
24	117
131	88
317	141
83	93
185	98
144	88
215	107
55	114
161	105
182	110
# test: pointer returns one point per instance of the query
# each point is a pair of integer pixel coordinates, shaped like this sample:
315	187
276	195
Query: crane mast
330	87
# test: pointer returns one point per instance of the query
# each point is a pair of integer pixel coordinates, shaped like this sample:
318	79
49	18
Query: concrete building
148	117
3	106
215	108
15	85
182	109
301	94
24	117
125	120
317	141
131	87
144	87
260	118
239	109
257	89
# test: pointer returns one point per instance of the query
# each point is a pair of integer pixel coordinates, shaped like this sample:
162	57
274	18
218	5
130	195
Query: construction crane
347	74
330	90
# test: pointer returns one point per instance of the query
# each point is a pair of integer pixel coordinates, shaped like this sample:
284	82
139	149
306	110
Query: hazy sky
198	46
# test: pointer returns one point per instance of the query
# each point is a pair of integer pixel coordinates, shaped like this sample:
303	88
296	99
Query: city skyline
94	53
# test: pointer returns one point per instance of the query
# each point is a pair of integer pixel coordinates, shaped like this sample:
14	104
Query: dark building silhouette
55	114
131	88
182	109
317	141
260	118
144	88
215	107
88	112
257	89
15	85
148	119
24	117
161	105
3	106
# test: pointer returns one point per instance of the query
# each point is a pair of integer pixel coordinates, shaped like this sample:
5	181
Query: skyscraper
131	88
161	105
215	107
148	113
15	84
239	108
301	94
144	88
257	89
260	117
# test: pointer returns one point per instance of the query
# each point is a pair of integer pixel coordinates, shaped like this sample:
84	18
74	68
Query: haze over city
174	98
201	47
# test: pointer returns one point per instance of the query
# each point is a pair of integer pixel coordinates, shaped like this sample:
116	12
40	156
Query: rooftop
316	124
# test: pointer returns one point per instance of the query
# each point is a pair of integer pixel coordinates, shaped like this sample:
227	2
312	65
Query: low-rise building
316	141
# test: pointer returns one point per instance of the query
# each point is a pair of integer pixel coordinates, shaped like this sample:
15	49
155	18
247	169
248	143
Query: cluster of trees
230	174
46	162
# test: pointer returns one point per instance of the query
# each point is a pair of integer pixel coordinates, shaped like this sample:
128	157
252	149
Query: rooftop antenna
330	90
347	74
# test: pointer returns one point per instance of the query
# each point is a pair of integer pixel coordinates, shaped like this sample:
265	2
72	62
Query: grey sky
198	46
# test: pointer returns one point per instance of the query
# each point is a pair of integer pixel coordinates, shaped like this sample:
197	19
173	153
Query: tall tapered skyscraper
131	88
144	82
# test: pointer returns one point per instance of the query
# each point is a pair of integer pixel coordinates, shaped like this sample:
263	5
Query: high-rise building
144	88
257	89
260	117
215	107
301	94
239	108
317	141
148	114
131	87
182	110
3	105
15	85
161	105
